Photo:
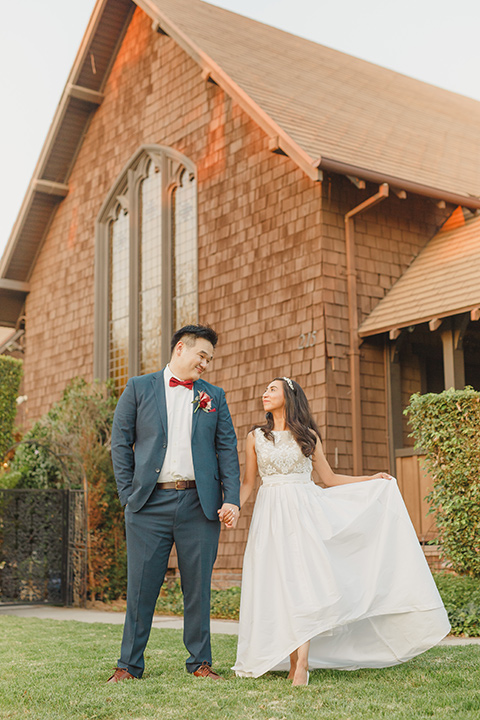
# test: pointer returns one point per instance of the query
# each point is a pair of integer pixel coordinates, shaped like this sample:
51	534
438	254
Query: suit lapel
159	389
198	386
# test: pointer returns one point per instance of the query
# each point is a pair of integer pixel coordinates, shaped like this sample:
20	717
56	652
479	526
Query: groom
174	453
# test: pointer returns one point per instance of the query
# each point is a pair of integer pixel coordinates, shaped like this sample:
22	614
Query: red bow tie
185	383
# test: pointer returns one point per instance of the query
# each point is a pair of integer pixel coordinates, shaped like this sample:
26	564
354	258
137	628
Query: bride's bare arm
248	482
329	478
230	517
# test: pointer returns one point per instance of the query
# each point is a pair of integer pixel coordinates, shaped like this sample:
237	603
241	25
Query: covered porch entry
429	321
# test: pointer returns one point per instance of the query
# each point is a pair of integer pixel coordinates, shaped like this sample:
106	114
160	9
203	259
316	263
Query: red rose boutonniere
204	402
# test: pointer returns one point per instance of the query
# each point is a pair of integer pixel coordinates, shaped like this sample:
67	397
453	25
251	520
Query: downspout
354	344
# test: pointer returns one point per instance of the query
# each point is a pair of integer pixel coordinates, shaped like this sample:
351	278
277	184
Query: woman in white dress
333	576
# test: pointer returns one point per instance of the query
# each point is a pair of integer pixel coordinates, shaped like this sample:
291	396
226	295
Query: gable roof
324	109
345	114
443	280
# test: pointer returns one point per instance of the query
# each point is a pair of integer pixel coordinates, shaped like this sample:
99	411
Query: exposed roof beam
207	76
11	344
156	27
413	187
274	146
47	187
360	184
434	324
15	285
413	322
92	97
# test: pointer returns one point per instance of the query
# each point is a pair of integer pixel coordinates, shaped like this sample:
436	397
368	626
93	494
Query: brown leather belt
177	485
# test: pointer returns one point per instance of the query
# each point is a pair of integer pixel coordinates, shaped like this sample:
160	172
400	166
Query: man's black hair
194	332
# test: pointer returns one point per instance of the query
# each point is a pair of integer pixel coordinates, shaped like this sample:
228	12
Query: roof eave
279	139
83	97
328	164
365	333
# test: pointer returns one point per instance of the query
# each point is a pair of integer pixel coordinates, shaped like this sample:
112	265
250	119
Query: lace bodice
283	457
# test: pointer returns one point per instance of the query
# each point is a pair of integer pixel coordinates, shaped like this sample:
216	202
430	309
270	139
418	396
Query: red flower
204	402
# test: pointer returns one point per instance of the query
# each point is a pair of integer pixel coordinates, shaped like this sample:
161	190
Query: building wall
271	248
387	238
259	239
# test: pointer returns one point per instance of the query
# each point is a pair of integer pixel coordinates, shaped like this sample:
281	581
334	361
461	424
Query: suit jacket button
157	470
164	445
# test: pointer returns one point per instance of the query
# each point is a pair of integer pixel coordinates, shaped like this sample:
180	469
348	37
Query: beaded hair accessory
289	383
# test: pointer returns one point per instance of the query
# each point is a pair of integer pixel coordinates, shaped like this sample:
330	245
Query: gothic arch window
146	263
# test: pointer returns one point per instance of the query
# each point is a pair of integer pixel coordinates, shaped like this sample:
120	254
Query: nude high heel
302	684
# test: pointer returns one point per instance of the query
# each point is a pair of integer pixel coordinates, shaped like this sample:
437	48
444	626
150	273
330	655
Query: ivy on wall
10	378
446	426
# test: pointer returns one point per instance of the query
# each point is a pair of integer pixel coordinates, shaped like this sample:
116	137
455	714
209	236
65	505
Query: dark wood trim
452	332
394	401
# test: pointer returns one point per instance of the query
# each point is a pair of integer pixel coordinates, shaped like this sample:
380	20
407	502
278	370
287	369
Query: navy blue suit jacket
140	438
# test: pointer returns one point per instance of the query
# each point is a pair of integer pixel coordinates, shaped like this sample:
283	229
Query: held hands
229	514
383	475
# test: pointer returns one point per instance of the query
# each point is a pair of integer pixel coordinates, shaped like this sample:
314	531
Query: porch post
394	401
452	332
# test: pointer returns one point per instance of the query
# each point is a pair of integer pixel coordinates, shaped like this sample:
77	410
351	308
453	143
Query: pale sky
436	41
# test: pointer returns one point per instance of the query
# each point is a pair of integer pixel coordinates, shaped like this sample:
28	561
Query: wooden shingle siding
271	238
259	242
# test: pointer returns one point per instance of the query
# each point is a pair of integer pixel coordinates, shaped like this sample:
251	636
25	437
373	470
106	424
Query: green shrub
70	447
461	597
38	463
446	426
225	604
10	378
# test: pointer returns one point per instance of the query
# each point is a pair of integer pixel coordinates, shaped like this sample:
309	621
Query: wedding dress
341	567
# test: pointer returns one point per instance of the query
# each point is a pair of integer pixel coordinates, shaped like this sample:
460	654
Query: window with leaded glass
146	264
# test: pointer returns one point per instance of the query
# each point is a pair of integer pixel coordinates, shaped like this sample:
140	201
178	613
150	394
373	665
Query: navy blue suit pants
169	516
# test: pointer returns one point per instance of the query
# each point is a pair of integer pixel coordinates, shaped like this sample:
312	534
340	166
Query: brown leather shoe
205	670
120	674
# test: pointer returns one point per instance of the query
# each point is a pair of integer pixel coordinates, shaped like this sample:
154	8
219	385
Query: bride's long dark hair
298	418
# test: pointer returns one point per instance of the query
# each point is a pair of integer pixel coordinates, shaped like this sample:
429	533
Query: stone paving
51	612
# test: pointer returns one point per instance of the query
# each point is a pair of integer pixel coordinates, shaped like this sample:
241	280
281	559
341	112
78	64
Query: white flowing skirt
341	567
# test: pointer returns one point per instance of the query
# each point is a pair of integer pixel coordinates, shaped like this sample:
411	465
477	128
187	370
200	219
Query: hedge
446	426
10	378
461	597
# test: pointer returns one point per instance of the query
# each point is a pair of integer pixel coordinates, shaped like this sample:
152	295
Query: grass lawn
57	669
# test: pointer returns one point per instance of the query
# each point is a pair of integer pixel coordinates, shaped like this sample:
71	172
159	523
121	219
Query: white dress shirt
178	463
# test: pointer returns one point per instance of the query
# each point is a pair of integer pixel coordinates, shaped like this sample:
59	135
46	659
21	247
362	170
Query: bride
333	576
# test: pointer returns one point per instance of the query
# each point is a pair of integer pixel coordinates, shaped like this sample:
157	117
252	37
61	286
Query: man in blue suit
174	453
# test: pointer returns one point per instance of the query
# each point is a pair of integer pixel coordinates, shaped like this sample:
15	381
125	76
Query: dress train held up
341	567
